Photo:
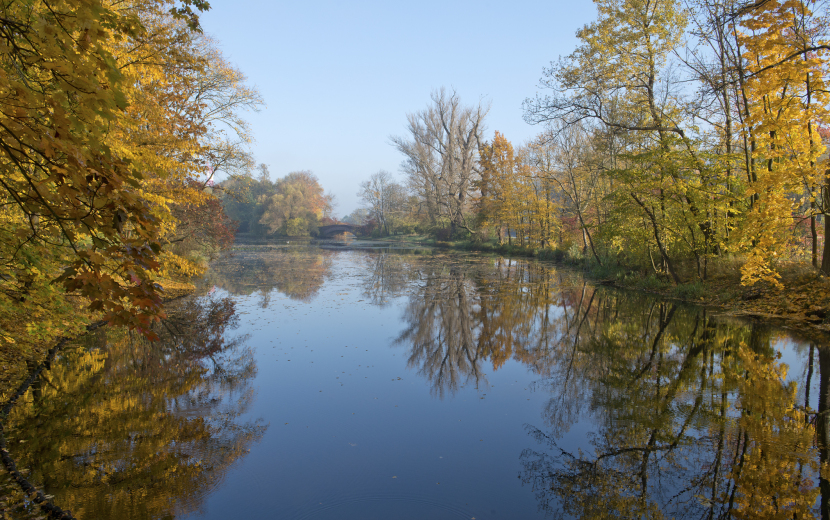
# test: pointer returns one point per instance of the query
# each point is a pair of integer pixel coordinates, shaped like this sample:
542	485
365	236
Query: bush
690	291
575	253
652	283
442	234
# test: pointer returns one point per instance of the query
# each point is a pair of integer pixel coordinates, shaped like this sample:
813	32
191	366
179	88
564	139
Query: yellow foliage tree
515	196
109	123
786	98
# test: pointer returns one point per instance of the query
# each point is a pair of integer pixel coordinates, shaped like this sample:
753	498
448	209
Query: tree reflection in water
125	428
692	416
693	420
440	331
461	316
389	275
297	272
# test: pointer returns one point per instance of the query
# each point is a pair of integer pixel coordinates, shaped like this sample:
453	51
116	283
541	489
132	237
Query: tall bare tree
441	151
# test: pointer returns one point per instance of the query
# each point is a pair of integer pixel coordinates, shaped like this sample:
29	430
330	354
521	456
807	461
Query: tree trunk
585	233
666	260
814	236
823	426
584	242
825	258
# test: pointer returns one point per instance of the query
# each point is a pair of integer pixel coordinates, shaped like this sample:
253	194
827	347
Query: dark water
336	382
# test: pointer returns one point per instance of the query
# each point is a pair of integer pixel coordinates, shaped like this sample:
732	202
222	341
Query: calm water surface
352	382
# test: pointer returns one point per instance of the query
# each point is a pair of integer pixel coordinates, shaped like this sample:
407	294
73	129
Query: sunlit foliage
113	118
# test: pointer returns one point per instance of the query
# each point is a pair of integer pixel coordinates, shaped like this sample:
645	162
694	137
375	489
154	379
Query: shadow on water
129	429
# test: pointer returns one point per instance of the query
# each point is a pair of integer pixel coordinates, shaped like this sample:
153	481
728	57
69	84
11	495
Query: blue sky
339	78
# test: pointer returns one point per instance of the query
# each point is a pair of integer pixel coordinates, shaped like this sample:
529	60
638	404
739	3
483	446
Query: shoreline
803	304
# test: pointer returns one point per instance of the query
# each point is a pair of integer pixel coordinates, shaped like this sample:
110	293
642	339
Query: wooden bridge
335	229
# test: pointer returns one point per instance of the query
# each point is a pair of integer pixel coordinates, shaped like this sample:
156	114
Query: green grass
652	283
691	291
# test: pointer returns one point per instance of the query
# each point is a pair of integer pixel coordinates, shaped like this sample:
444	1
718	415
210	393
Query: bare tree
382	197
562	155
441	154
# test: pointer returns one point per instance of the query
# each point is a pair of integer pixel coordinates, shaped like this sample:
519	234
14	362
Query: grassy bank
802	301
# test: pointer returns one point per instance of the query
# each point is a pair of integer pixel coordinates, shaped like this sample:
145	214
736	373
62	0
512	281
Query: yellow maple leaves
786	100
112	115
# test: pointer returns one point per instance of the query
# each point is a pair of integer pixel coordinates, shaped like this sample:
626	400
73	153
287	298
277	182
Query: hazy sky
338	78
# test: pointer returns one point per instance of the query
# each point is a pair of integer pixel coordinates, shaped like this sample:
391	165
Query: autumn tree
244	197
183	125
112	118
620	79
296	206
496	170
74	206
515	196
563	158
63	185
786	100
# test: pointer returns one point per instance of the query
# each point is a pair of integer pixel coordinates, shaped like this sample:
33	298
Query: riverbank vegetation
293	206
114	120
685	144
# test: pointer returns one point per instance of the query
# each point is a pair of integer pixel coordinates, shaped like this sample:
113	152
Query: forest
293	206
675	139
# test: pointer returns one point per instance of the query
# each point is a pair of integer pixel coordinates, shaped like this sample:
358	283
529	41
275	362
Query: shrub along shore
802	301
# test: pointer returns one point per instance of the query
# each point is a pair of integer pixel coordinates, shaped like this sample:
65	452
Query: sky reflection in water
371	383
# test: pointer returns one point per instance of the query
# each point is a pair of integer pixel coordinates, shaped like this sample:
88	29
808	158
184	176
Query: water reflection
693	420
648	408
439	329
124	428
465	316
692	416
388	275
298	272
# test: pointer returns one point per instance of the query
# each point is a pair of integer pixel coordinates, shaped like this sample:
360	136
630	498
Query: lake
353	380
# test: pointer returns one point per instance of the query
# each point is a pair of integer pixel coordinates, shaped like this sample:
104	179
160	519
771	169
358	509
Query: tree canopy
674	138
113	118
